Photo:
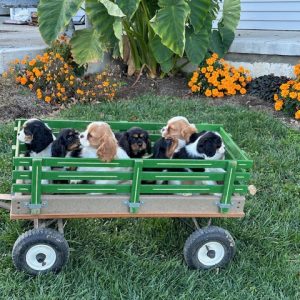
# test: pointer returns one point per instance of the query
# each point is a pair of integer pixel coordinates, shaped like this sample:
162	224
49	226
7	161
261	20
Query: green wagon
45	249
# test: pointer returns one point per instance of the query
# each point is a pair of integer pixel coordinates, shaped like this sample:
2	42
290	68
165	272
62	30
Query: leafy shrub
53	77
288	99
216	78
266	86
146	34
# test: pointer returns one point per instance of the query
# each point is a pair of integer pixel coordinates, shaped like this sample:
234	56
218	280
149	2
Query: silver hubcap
40	257
211	253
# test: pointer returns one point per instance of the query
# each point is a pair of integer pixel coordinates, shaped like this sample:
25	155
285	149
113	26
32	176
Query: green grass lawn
142	258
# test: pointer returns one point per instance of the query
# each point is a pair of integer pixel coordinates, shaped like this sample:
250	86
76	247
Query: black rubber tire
203	236
53	240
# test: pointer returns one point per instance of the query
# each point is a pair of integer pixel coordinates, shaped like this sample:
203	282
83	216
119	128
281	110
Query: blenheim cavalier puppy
98	141
175	135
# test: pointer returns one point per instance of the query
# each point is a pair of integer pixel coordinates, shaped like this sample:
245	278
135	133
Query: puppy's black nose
81	136
140	144
19	133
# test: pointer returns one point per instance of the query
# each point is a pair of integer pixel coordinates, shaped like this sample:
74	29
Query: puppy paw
75	181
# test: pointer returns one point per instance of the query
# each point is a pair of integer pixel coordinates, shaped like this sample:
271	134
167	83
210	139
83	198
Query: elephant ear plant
145	33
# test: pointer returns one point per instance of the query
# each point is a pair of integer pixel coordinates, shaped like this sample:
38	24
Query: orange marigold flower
80	92
32	62
47	99
207	93
297	70
298	98
58	94
210	68
284	93
215	56
284	86
195	74
296	86
106	83
57	55
30	86
297	115
203	70
241	79
275	97
62	89
293	95
190	84
243	91
23	80
195	88
248	78
215	92
278	105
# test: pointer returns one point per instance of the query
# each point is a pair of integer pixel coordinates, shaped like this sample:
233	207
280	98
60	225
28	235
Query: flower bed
56	79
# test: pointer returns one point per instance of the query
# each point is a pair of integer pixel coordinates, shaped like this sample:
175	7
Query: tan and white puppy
175	135
98	141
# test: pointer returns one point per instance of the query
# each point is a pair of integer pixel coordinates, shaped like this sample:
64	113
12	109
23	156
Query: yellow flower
215	92
190	84
275	97
62	89
297	115
30	86
278	105
105	83
80	92
298	98
58	94
4	74
249	78
72	77
203	70
296	86
71	82
284	86
47	99
57	55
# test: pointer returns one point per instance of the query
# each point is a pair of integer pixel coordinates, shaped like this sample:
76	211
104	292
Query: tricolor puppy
175	135
208	145
98	141
135	141
37	137
66	141
205	145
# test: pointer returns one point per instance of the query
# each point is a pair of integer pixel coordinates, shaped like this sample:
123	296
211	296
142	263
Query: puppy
135	141
175	135
208	146
98	141
37	137
66	142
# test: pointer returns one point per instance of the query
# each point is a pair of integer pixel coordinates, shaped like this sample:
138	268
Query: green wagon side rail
37	176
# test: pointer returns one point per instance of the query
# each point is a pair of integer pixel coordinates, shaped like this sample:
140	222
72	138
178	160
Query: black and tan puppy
135	142
66	141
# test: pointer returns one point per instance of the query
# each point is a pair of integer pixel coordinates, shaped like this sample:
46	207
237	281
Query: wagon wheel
209	248
39	251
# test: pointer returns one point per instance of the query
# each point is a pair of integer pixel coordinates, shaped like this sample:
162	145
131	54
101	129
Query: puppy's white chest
45	153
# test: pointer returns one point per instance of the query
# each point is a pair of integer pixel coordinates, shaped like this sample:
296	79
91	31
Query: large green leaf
216	43
196	46
128	7
160	52
118	30
167	65
199	11
169	24
101	21
86	46
54	16
112	8
231	14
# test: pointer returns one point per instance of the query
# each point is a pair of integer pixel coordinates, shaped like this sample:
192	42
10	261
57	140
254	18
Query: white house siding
270	14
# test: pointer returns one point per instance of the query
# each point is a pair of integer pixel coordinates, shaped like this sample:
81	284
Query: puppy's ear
187	132
124	142
171	149
42	138
107	149
58	149
148	143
